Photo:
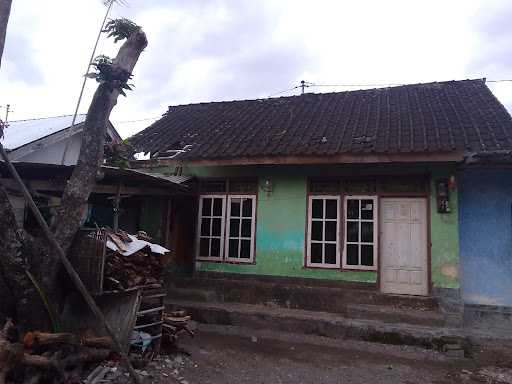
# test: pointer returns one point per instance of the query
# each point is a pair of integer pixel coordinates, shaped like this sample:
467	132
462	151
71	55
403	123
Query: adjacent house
50	140
360	186
45	151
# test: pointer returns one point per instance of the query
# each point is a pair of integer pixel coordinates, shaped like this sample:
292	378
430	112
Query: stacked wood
175	323
42	357
124	272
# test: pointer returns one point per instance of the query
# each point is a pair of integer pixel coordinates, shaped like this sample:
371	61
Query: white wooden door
403	246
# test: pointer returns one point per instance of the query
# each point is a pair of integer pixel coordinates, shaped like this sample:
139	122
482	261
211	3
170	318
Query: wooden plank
49	186
148	325
153	296
152	310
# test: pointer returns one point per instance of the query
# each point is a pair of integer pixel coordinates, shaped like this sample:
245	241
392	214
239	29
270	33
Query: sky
211	50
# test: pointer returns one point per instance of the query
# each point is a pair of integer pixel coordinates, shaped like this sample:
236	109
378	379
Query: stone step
385	313
330	298
319	323
391	314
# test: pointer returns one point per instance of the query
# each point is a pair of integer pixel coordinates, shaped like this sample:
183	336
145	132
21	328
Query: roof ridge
483	79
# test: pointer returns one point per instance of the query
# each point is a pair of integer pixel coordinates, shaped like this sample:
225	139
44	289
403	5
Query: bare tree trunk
5	10
84	177
18	254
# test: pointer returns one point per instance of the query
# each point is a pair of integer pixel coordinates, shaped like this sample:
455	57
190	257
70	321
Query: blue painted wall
485	231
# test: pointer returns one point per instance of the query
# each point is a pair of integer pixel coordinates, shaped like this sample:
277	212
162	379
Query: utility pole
302	85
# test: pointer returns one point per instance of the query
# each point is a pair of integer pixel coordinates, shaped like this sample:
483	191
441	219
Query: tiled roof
453	116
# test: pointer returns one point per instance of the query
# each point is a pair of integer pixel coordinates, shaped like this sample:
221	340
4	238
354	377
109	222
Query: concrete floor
240	356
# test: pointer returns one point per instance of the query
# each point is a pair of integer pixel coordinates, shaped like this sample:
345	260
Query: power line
308	84
136	121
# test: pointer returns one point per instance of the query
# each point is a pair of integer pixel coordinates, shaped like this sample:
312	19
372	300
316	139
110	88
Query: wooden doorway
404	246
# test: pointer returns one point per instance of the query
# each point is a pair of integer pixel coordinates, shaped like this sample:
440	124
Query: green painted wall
281	221
444	237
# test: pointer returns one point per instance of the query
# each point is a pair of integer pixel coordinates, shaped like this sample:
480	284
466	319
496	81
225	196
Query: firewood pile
141	268
131	261
40	357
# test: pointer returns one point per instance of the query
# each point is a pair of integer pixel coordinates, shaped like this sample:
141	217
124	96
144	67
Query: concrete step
319	323
391	314
385	313
329	298
192	294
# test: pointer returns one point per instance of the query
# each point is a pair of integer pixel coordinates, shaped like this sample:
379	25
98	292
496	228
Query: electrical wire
306	86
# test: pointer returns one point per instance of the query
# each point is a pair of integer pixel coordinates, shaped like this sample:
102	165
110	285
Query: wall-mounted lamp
267	186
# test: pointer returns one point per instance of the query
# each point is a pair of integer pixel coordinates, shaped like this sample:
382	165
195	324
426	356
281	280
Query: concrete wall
281	221
486	236
52	154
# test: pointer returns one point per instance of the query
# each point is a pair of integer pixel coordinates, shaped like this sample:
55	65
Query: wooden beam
289	160
49	186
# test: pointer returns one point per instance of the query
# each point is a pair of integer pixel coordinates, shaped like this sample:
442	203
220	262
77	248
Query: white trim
222	228
239	237
375	221
308	234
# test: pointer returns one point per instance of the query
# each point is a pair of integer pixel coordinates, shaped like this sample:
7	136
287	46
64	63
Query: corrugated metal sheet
22	132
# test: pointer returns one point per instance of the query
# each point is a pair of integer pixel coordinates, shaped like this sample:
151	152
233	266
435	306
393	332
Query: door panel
403	234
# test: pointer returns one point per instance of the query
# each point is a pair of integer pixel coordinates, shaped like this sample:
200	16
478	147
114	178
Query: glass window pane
233	248
317	209
216	227
215	251
205	227
235	207
246	227
352	209
330	231
330	253
204	247
316	252
234	227
352	231
331	209
367	209
217	207
316	230
207	207
367	255
247	208
367	232
352	254
245	249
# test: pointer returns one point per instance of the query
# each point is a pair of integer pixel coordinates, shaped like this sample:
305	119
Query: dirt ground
222	358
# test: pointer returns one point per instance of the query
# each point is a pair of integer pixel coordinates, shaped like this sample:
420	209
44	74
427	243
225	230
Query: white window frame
337	241
222	228
240	238
375	233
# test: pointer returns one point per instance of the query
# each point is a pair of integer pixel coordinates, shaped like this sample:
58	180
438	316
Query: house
50	140
360	186
485	183
45	151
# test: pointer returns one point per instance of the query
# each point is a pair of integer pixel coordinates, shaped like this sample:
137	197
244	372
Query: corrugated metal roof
22	132
129	177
